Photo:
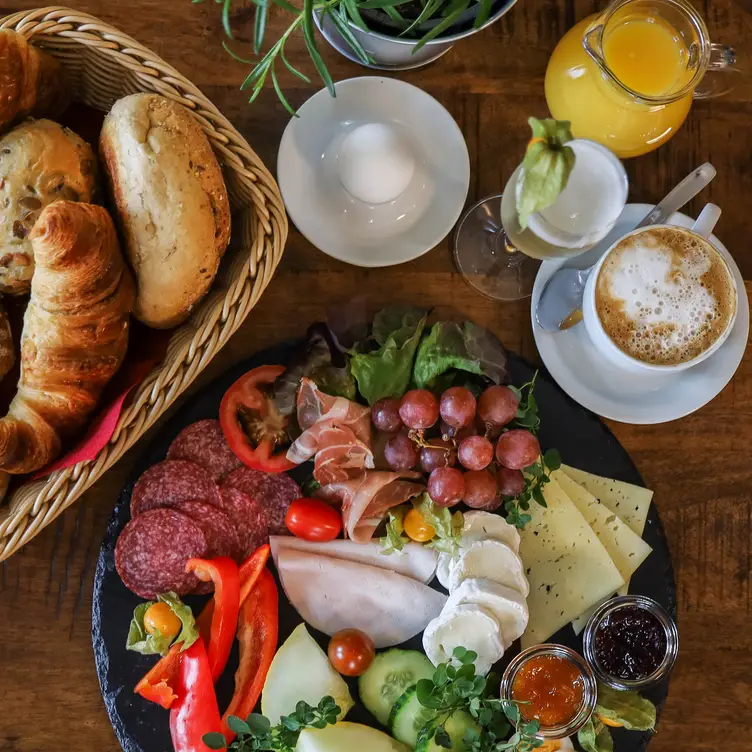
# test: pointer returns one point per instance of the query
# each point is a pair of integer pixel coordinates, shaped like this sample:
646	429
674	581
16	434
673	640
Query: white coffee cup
703	227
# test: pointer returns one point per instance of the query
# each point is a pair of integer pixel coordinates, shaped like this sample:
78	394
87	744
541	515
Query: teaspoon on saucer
560	303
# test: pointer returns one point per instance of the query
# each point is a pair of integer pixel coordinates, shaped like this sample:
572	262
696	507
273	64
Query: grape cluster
462	443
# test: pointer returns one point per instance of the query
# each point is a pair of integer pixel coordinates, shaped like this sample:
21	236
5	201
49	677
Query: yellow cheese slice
568	568
630	503
625	547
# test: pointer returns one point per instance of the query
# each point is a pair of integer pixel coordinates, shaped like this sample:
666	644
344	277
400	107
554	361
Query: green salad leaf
632	710
465	347
546	168
448	525
394	538
386	371
594	736
140	641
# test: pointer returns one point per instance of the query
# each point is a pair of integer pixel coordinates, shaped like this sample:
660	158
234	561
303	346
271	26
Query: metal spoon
560	303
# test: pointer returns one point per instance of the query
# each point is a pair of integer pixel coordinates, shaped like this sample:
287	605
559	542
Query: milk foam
664	296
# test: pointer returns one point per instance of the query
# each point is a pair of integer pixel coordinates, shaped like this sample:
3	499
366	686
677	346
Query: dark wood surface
699	467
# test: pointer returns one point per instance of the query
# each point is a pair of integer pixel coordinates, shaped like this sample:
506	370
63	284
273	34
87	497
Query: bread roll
40	162
171	204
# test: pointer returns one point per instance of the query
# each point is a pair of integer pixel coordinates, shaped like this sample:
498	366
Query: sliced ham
368	496
314	406
333	594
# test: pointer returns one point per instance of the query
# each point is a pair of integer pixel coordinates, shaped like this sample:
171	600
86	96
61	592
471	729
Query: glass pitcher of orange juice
626	78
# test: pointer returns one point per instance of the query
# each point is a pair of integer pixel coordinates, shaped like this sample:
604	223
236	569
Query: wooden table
699	467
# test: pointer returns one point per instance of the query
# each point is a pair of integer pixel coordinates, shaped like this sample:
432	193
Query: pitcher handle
722	74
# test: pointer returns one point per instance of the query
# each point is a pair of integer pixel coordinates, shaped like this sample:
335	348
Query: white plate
586	376
348	229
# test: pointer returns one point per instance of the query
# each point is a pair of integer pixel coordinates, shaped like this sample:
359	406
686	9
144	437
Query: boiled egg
375	163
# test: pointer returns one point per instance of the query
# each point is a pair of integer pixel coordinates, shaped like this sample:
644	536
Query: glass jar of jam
554	686
631	642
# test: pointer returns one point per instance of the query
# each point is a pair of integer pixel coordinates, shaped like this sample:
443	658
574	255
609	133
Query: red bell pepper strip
223	572
257	633
249	572
159	684
195	712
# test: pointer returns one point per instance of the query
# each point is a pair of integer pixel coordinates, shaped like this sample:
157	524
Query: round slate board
583	440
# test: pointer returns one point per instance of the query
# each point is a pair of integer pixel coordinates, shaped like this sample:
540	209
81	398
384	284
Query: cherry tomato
351	652
416	528
159	617
313	520
253	427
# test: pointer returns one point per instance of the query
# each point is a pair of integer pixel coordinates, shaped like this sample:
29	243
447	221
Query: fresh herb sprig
257	733
536	475
455	687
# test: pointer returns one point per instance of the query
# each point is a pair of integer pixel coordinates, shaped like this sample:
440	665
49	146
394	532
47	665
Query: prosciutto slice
368	496
336	431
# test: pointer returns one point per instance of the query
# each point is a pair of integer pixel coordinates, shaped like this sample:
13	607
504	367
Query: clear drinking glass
500	259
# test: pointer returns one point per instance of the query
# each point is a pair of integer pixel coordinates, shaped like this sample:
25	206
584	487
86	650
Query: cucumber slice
390	674
455	726
408	717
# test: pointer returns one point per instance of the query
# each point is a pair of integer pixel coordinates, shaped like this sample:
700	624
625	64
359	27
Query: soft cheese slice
492	560
629	502
415	560
469	626
568	568
507	605
333	594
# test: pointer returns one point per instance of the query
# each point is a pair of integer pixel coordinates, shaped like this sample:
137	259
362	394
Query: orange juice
645	55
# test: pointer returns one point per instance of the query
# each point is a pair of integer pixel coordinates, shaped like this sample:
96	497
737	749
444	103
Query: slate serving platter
140	726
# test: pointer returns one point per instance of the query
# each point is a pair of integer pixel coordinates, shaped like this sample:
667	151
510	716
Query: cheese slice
568	568
629	502
627	549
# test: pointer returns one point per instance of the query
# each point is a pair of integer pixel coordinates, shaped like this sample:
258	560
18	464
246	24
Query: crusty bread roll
40	162
171	203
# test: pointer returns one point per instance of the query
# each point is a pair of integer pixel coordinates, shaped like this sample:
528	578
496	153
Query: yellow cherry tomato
160	617
609	722
417	528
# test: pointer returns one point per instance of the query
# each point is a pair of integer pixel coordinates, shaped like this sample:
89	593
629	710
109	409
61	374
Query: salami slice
218	527
273	491
152	550
170	483
205	444
249	518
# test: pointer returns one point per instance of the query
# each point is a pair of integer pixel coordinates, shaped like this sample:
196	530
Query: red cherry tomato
313	520
351	652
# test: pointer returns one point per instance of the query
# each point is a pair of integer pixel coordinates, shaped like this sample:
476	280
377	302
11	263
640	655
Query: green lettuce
140	641
386	371
546	167
465	347
594	736
628	708
394	538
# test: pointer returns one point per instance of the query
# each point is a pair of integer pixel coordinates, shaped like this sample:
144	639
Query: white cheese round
492	560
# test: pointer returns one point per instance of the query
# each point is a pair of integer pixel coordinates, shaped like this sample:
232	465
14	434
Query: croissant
75	332
31	81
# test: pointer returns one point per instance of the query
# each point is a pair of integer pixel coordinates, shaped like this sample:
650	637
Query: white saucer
586	376
348	229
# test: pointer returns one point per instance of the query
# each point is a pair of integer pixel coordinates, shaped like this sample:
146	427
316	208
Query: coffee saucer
309	164
590	379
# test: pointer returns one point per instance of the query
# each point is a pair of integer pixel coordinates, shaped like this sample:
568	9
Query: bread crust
172	204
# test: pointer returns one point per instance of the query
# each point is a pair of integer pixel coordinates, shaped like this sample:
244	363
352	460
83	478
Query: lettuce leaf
386	371
466	347
140	641
394	538
594	736
634	712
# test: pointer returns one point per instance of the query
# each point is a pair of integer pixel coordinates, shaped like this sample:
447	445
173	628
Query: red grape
481	491
438	453
475	452
517	449
510	482
400	452
446	486
450	432
497	405
385	415
457	406
419	409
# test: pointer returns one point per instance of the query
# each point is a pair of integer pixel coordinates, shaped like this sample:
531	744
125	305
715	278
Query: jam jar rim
669	628
590	688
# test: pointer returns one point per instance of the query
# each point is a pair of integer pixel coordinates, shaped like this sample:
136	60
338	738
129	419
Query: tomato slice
252	425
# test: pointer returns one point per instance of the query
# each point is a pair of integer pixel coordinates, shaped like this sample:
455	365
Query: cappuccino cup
662	298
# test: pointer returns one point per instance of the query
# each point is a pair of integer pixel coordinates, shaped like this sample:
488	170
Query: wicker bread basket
103	65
